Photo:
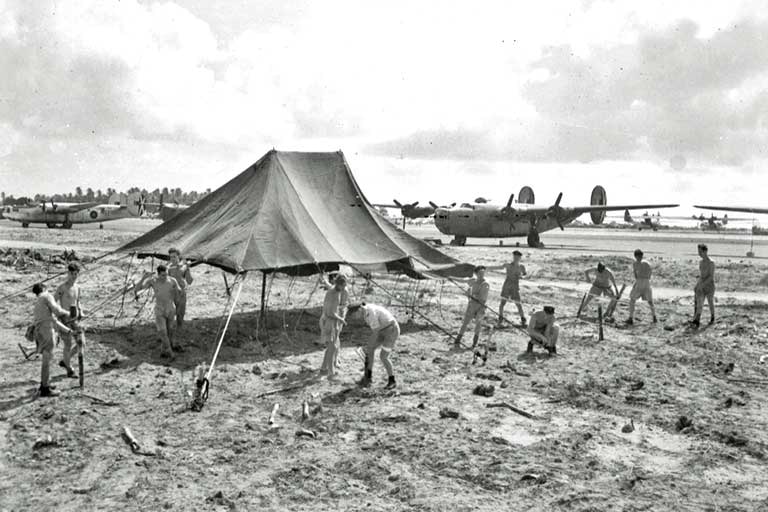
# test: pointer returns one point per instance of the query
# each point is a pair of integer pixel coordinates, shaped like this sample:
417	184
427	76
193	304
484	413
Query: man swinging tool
543	330
385	331
601	286
477	296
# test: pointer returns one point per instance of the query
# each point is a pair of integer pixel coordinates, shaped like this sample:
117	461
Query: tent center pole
263	293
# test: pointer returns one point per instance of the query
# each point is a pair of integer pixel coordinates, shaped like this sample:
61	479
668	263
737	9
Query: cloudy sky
662	101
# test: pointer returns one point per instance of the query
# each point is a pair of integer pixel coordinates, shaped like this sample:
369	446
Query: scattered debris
256	370
221	500
305	411
500	440
637	385
303	432
534	478
272	416
45	442
448	413
512	408
683	422
488	376
629	427
732	438
484	390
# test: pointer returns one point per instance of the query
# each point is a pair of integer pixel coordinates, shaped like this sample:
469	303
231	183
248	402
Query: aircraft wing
611	208
71	208
386	206
742	209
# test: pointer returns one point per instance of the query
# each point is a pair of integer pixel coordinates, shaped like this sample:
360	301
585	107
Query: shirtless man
68	297
543	330
477	296
166	291
510	290
331	322
385	331
705	286
601	285
642	287
45	321
179	270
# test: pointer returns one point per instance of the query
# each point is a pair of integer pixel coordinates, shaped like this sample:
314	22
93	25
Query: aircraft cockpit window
466	205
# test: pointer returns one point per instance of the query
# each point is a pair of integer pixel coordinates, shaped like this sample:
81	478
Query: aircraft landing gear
533	239
50	225
101	226
67	224
25	224
459	240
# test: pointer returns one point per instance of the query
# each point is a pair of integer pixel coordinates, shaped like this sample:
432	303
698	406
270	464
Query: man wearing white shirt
385	333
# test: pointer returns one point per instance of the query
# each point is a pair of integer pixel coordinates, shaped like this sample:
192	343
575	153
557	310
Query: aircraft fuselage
487	221
36	215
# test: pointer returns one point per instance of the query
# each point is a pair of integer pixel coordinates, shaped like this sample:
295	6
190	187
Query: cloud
668	93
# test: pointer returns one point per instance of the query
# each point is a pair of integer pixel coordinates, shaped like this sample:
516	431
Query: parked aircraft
167	211
646	221
413	210
522	219
65	215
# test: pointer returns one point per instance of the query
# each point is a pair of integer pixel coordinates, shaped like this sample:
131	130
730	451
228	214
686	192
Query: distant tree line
169	196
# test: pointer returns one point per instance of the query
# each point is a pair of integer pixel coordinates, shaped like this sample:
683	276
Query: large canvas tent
297	213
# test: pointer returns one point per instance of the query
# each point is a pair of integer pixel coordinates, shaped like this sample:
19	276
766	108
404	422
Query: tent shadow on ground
285	333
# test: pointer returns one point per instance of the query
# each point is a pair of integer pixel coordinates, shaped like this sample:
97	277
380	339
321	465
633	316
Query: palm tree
78	194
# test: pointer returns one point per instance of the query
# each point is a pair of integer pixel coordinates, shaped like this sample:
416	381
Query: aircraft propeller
557	211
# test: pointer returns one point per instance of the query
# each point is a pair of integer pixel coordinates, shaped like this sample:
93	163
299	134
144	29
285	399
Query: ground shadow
249	339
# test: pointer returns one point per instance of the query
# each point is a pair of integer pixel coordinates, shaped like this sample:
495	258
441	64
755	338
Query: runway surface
680	243
668	242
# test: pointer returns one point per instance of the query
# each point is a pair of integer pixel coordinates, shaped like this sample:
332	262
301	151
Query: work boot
166	355
475	340
695	322
529	350
177	348
71	373
711	319
391	384
629	321
365	382
655	320
552	350
47	392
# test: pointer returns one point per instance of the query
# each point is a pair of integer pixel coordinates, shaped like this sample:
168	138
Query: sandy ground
389	450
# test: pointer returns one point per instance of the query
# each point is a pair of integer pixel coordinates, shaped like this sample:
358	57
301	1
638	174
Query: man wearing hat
543	330
705	286
510	290
331	322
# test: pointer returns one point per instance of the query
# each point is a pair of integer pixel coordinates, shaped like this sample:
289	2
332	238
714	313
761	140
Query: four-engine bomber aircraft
645	221
523	218
413	210
55	214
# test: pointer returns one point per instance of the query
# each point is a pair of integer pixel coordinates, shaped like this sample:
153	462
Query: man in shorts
601	285
385	331
331	321
510	290
543	330
45	322
179	270
477	296
642	287
166	291
705	286
68	297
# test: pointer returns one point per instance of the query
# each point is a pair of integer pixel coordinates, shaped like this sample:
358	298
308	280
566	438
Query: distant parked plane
56	214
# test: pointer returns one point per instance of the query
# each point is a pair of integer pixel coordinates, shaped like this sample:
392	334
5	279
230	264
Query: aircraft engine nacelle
599	198
526	196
